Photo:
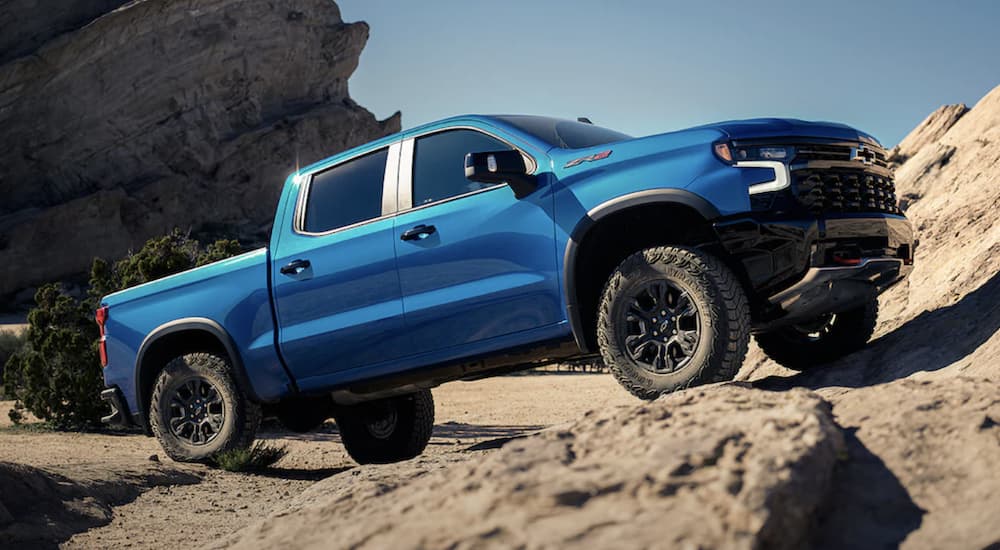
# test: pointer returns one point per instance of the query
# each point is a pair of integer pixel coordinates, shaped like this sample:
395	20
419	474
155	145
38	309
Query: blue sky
645	67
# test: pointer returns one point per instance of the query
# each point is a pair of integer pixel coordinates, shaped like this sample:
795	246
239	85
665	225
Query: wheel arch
178	337
687	220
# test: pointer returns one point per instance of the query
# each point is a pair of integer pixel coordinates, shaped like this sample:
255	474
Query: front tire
828	338
670	318
197	410
387	430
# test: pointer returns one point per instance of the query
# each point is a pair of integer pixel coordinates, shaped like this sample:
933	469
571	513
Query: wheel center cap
667	326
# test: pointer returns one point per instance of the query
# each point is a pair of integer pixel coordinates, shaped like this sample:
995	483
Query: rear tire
809	345
197	410
671	318
387	430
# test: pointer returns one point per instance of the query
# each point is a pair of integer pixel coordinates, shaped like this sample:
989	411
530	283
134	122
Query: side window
345	194
439	164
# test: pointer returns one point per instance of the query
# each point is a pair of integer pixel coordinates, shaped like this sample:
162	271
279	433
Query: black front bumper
119	410
799	269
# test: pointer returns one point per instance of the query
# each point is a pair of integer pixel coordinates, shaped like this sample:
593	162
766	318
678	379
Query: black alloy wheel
197	412
662	327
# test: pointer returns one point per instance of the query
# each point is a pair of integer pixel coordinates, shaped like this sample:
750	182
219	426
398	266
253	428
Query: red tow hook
846	261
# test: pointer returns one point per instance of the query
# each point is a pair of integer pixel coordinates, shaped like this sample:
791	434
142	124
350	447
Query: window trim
390	199
405	180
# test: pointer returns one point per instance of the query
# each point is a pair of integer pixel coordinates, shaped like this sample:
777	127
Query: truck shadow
868	506
929	342
446	430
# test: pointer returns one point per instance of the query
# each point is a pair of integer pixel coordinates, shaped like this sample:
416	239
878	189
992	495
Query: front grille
828	191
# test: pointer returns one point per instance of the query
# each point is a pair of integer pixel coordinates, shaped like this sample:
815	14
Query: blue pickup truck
479	245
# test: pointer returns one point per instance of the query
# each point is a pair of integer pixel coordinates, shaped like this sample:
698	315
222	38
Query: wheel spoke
636	310
686	341
215	421
684	307
662	361
636	344
661	289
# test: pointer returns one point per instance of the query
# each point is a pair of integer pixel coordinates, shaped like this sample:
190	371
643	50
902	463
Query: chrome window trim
405	203
390	202
405	185
389	208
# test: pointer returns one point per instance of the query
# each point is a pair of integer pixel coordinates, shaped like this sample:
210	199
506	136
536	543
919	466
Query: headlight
769	152
730	153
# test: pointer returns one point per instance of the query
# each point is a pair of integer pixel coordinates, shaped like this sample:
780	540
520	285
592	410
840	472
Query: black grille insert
828	190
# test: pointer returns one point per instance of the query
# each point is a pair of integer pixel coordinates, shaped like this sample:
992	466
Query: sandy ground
467	413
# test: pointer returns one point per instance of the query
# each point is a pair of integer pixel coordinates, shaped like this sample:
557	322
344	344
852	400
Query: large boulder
717	467
168	113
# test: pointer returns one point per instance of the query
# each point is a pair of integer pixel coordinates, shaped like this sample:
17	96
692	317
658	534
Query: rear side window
346	194
439	164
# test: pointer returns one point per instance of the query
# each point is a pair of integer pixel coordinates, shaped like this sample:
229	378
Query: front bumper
119	410
800	269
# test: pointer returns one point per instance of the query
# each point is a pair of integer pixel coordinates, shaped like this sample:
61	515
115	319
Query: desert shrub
57	375
159	257
258	457
10	343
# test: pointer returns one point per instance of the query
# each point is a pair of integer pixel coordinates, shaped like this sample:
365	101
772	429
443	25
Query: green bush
10	343
57	374
256	458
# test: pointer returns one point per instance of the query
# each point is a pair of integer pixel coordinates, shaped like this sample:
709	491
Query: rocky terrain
102	148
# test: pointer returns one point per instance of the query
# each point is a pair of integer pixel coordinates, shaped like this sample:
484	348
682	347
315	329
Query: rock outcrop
930	130
162	114
725	467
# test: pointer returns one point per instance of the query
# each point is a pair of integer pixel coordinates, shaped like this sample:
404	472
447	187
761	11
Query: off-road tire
723	314
241	419
407	438
849	332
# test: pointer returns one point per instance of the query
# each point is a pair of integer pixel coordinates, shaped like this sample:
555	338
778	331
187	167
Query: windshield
566	134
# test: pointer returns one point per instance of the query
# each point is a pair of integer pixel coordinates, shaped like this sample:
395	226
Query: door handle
295	267
419	232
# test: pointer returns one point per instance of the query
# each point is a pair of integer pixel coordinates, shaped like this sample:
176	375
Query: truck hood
789	127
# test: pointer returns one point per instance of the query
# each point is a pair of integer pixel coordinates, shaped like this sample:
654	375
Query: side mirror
501	167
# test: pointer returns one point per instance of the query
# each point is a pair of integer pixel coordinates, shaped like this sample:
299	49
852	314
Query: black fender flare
181	325
668	196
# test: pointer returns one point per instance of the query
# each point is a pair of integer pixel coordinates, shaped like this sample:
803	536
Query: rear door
335	282
484	263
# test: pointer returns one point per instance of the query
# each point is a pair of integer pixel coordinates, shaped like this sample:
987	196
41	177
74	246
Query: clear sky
646	67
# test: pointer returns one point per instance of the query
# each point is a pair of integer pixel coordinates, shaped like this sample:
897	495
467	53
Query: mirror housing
496	167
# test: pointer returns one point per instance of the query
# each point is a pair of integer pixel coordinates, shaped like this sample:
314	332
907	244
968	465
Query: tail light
102	318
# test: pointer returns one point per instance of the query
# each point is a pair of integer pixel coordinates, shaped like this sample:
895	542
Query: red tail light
102	317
